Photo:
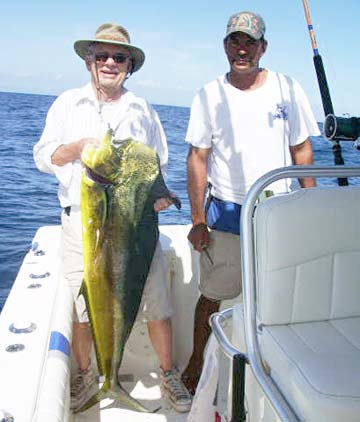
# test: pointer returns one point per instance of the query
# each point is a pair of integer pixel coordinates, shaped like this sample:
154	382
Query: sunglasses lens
101	57
119	58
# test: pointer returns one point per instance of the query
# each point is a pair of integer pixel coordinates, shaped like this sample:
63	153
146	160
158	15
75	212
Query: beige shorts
155	304
222	279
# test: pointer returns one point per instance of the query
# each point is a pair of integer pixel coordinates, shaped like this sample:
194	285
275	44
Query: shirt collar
87	94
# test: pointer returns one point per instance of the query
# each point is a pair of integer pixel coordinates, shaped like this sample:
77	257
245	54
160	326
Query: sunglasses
118	57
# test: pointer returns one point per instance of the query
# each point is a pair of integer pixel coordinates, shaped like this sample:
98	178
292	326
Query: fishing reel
342	128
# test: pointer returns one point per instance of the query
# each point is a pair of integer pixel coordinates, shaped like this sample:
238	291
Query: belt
67	210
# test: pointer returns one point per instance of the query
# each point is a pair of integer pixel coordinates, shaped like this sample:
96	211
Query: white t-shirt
249	132
75	115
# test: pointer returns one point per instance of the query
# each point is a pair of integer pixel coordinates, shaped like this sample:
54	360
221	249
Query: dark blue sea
28	198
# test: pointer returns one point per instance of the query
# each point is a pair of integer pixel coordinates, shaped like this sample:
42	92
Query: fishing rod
335	128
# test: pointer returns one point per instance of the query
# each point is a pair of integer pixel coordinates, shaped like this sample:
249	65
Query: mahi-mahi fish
120	182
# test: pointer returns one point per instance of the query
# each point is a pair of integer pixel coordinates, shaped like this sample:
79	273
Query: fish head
103	161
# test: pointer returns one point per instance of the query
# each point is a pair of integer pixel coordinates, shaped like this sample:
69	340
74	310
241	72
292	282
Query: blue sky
183	45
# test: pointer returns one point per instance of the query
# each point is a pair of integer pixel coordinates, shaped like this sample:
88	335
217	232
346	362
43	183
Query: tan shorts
222	279
155	304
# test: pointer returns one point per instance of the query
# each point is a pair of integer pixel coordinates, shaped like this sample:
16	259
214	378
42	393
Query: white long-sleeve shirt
75	114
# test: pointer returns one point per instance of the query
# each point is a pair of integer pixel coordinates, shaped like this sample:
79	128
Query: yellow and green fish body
120	182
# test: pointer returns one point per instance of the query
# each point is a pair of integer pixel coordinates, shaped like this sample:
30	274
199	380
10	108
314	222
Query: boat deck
46	304
147	391
139	377
140	381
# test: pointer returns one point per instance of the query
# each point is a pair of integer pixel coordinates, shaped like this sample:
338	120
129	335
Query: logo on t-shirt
280	112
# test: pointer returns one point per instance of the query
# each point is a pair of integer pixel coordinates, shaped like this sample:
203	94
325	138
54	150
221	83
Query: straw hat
109	33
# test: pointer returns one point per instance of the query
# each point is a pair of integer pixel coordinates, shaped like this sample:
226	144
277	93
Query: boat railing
238	359
253	354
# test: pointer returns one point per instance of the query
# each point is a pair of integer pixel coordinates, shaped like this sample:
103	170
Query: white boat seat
308	272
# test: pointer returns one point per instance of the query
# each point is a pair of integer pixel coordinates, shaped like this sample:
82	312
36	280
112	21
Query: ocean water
28	198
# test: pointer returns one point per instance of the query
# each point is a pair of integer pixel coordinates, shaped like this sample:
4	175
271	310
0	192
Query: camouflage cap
248	22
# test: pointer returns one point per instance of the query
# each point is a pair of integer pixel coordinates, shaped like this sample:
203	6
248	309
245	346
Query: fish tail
121	396
97	397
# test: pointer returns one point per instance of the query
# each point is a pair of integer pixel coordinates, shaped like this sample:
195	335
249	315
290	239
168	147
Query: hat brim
138	56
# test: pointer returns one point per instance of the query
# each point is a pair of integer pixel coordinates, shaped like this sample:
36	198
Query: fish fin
118	394
106	140
160	190
176	201
82	290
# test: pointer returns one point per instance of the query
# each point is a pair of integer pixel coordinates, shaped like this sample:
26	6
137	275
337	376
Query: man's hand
164	203
67	153
84	141
199	237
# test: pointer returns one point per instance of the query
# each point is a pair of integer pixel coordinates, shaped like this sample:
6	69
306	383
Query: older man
82	116
243	124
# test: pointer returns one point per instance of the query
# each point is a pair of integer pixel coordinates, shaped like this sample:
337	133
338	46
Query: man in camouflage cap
246	122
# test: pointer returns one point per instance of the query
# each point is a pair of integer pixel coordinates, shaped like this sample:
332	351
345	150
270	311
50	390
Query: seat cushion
308	256
317	367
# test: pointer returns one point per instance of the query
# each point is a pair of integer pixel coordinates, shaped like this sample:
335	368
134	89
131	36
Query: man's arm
67	153
302	154
197	164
